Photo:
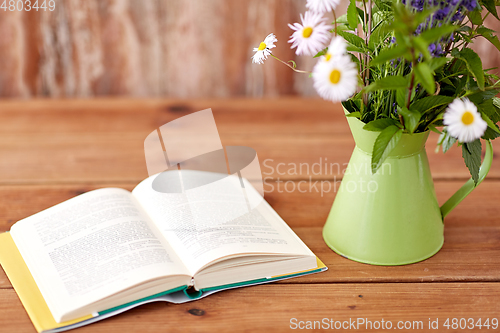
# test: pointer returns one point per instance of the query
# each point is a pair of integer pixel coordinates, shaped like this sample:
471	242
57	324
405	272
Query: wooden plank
89	141
308	209
257	115
477	248
84	157
470	232
261	308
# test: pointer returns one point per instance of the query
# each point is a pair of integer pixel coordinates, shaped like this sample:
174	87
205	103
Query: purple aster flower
469	4
458	15
441	14
432	48
419	29
439	49
418	5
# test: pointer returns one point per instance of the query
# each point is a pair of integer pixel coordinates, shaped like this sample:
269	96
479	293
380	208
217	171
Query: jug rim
410	143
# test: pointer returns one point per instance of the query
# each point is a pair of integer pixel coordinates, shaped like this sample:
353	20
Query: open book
109	250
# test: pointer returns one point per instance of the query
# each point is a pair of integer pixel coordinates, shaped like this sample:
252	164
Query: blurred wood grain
173	48
176	48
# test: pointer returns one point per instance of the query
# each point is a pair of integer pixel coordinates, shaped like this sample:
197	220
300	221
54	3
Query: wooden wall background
174	48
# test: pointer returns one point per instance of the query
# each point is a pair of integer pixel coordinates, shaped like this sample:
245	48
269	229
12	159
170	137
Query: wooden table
52	150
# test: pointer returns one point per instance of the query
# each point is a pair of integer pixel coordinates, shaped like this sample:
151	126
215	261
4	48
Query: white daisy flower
337	47
264	49
336	80
322	6
310	36
463	121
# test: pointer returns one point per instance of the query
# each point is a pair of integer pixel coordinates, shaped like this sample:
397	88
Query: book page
214	221
91	247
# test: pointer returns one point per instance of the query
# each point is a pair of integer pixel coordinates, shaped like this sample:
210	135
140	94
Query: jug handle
467	188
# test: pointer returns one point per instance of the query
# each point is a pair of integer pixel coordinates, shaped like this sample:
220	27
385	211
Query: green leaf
475	17
423	47
424	76
341	20
353	39
496	102
352	48
321	53
447	81
352	15
397	51
490	6
480	97
488	35
437	33
430	102
355	59
436	63
380	124
488	109
384	144
350	106
446	141
438	123
383	5
423	16
474	64
411	118
355	114
490	123
361	15
490	133
400	97
378	35
388	83
434	129
471	152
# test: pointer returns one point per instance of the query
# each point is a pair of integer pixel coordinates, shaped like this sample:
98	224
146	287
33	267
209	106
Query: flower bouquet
401	69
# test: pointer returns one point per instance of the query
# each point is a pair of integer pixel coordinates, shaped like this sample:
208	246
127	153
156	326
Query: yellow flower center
467	118
335	76
307	32
262	46
328	56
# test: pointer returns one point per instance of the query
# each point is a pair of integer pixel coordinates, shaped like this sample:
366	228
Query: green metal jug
391	217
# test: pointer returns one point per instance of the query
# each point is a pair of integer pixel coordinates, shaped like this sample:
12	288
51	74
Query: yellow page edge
26	288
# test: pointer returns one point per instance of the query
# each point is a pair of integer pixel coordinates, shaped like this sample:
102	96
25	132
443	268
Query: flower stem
291	67
335	21
412	82
368	27
368	35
